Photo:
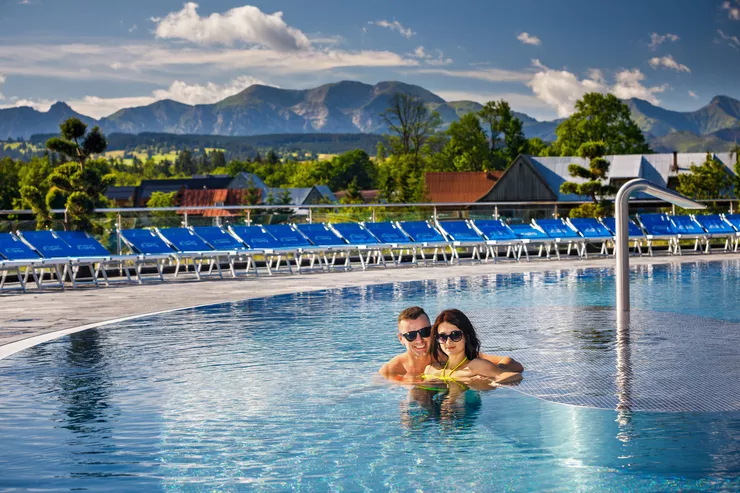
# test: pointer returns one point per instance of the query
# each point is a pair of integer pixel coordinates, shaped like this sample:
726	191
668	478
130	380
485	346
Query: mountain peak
60	106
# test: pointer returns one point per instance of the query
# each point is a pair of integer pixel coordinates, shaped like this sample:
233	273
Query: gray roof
326	192
297	195
657	168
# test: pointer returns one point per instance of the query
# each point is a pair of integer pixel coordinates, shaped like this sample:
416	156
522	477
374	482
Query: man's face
420	345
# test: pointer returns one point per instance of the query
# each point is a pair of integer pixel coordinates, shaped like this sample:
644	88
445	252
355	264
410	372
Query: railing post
495	212
185	217
120	247
555	211
249	217
731	207
310	215
673	209
374	218
434	214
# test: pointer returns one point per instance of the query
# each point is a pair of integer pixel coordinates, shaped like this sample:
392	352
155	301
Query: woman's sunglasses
455	335
423	332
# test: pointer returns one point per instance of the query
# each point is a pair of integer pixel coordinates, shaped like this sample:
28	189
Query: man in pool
414	332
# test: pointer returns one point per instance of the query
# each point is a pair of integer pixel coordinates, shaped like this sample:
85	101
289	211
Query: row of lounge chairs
52	258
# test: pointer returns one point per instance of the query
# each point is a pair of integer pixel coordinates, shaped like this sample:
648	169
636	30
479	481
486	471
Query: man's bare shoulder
395	366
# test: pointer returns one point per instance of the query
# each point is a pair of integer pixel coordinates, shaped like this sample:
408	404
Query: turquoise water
281	393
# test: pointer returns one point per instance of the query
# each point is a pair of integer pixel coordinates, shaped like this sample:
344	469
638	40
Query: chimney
674	168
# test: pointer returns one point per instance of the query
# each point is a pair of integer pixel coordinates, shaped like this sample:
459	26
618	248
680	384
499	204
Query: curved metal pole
621	241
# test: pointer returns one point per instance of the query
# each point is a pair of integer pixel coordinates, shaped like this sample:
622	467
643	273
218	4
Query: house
195	200
531	178
367	196
460	186
298	196
122	196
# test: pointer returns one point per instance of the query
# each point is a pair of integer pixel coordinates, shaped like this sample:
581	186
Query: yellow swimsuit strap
444	376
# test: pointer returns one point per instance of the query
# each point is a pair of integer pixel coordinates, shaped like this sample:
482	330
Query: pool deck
31	314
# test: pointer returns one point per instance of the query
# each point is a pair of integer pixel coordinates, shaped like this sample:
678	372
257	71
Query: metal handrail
441	205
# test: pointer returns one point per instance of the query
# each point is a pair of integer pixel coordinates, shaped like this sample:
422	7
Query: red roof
460	186
208	198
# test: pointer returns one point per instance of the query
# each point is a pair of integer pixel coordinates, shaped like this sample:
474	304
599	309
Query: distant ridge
349	107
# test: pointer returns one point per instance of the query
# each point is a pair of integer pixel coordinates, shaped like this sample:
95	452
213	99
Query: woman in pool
455	349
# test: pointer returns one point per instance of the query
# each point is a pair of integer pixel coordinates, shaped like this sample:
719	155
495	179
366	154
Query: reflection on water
453	407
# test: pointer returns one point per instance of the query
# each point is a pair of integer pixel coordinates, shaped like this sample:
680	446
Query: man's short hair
412	313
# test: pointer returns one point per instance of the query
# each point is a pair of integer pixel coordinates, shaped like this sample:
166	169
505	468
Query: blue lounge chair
661	227
389	234
462	234
329	241
688	229
189	246
717	227
592	231
426	236
258	238
356	235
497	234
734	221
87	246
15	254
221	240
150	249
560	232
534	236
51	246
290	237
634	233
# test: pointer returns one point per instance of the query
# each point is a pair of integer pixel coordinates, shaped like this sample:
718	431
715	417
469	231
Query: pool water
282	393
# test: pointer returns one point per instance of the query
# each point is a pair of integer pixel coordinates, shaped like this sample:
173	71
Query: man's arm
504	362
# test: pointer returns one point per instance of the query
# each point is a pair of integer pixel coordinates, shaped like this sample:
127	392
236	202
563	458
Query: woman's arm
504	362
485	368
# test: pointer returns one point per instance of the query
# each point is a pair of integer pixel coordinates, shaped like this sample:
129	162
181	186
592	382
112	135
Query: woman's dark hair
459	320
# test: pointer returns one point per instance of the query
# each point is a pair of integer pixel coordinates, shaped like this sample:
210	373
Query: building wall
520	183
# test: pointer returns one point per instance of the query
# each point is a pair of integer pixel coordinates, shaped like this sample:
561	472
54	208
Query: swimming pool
281	393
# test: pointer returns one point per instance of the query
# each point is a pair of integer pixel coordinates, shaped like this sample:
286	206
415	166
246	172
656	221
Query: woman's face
446	332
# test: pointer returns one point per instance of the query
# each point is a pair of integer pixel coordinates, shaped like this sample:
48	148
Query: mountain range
355	107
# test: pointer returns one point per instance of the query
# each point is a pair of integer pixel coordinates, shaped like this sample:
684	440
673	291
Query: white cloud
561	89
668	62
437	59
658	39
733	12
246	24
693	95
629	85
394	25
732	41
204	94
488	75
526	103
132	28
528	39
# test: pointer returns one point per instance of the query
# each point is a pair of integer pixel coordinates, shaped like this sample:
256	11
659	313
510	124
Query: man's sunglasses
455	335
423	332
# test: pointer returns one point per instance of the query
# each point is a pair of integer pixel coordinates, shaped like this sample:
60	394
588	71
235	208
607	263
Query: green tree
272	157
467	148
75	144
10	191
594	185
411	125
218	159
353	194
163	218
185	163
537	147
600	118
505	131
710	180
80	185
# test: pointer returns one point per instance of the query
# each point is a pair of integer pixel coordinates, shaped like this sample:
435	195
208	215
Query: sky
540	55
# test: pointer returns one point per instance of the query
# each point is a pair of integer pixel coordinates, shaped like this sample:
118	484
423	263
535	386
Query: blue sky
540	55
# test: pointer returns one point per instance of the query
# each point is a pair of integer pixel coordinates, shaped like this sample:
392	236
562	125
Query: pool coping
186	294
